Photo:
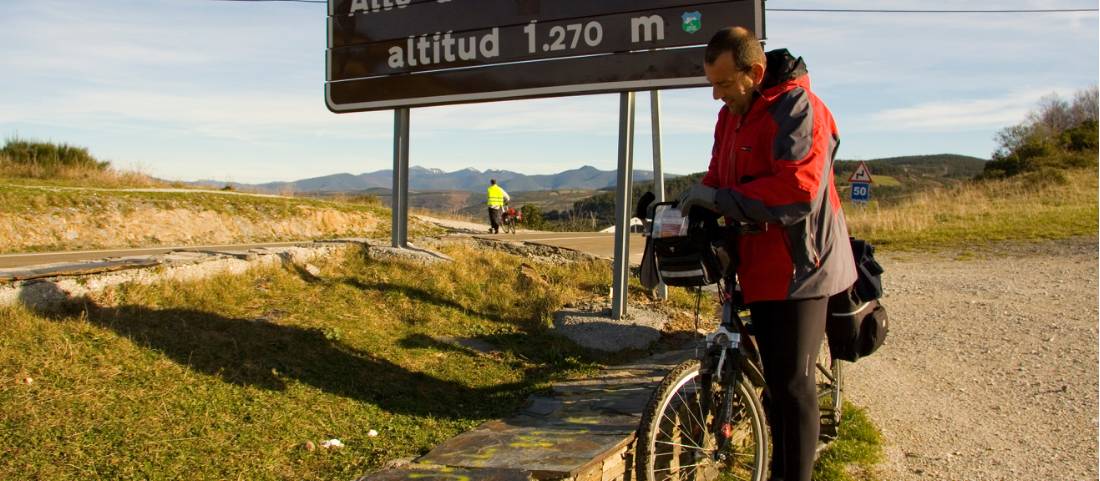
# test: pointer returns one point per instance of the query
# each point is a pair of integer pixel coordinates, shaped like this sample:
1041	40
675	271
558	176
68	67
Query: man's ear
757	74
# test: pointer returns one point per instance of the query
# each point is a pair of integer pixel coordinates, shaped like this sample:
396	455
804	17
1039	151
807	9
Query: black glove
698	195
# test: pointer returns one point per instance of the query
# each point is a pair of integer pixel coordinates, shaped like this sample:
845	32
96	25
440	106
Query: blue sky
199	89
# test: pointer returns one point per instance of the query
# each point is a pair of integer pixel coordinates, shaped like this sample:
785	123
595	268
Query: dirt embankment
990	368
140	225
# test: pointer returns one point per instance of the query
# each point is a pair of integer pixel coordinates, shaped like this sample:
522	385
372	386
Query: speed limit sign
861	191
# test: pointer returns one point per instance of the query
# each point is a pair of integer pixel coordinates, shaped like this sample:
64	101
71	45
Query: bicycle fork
724	349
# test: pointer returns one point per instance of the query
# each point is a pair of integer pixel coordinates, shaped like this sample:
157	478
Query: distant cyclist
512	216
497	198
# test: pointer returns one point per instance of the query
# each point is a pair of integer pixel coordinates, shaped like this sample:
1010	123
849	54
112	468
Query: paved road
595	243
25	260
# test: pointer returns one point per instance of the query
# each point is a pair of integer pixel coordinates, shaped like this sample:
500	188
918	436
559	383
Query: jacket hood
782	68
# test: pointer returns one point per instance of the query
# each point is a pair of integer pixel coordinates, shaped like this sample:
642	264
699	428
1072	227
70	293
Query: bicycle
509	221
706	417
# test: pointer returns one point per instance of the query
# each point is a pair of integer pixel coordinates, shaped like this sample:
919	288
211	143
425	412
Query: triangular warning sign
862	174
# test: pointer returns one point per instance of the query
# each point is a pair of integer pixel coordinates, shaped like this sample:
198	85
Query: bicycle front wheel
676	439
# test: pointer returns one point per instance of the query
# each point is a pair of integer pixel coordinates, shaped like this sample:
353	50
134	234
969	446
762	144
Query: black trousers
789	334
494	219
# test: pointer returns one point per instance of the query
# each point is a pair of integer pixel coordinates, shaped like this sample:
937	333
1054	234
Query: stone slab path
583	431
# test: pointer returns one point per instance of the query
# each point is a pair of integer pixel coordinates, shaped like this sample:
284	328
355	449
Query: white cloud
580	114
253	116
121	41
955	115
946	52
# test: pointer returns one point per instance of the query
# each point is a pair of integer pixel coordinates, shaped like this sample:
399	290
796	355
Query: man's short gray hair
739	42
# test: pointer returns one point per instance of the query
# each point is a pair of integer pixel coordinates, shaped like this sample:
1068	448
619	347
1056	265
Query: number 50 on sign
861	191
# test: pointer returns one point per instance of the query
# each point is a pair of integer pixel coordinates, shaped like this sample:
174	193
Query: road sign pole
622	209
400	194
658	168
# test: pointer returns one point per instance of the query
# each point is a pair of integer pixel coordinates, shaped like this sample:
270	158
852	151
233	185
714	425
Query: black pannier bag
857	324
855	329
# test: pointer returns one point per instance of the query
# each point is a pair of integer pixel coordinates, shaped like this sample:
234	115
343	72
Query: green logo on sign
693	22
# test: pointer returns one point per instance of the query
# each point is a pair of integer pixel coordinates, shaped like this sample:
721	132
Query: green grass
976	213
886	181
856	450
48	156
228	378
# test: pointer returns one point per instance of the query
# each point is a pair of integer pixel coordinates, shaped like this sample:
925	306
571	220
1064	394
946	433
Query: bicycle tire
830	392
658	455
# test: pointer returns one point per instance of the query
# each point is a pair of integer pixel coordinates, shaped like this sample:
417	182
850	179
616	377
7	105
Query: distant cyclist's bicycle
510	218
706	418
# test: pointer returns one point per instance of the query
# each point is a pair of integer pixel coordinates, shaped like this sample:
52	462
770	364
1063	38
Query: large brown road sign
385	54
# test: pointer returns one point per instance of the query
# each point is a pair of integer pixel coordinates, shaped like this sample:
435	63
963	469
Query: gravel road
990	367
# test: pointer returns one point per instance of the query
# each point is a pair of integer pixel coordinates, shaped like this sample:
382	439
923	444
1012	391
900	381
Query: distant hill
436	180
948	166
897	177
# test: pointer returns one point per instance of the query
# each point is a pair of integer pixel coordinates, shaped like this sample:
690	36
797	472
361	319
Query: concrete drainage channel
49	285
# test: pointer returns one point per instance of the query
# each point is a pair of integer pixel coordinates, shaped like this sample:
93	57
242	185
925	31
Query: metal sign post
658	168
399	207
623	184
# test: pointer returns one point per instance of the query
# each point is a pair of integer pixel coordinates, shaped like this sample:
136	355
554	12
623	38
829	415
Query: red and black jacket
773	167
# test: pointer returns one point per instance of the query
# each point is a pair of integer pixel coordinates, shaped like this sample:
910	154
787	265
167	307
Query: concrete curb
52	285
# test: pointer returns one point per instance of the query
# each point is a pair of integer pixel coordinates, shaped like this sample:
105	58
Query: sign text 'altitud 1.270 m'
385	54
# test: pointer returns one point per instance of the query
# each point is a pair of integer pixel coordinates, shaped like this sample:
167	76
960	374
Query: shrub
532	217
49	157
1057	135
44	160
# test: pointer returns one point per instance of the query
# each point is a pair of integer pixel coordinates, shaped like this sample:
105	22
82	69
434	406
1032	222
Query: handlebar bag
684	250
682	261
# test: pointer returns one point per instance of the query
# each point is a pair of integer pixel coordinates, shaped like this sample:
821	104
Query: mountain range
424	179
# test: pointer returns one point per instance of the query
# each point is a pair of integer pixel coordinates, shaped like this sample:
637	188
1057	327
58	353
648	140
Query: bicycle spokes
686	447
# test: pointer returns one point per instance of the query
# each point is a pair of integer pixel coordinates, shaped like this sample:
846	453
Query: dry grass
456	216
83	176
1042	206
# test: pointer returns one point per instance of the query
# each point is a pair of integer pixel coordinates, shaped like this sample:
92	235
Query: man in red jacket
771	170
